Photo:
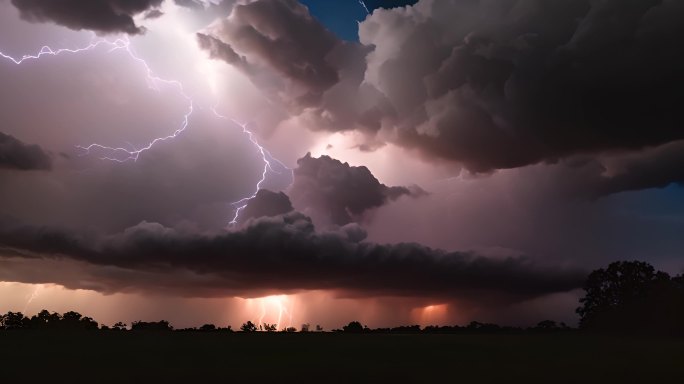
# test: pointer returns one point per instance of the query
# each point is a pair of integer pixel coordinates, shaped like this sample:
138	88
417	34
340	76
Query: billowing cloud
338	192
298	64
266	203
488	84
281	253
282	36
15	154
502	84
220	50
512	83
101	16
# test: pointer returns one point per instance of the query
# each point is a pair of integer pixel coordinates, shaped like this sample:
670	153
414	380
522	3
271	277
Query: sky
391	162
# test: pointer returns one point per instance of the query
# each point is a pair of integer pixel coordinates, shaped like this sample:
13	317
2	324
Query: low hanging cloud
282	253
100	16
17	155
339	192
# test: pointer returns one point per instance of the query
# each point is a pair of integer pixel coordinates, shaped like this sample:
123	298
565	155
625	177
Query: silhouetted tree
87	323
270	327
483	327
14	320
119	326
75	321
632	296
248	327
161	325
207	328
305	328
353	327
46	320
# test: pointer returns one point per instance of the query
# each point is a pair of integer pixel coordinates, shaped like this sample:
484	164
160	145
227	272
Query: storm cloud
266	203
101	16
15	154
339	192
286	253
503	84
298	64
485	84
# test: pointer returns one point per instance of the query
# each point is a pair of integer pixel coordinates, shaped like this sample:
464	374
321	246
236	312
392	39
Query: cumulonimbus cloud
488	84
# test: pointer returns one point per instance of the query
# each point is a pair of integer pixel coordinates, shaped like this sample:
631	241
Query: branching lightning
122	155
268	165
280	303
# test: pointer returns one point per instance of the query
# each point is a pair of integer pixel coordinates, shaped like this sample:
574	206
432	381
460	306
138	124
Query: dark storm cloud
284	253
502	84
266	203
339	191
651	168
219	50
101	16
154	14
16	155
291	48
372	5
489	84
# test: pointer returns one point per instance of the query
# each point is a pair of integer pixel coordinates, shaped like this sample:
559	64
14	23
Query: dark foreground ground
134	357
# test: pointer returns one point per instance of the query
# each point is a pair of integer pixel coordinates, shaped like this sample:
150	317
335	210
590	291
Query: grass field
144	357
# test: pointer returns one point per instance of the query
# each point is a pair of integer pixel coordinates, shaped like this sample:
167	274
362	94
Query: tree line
625	297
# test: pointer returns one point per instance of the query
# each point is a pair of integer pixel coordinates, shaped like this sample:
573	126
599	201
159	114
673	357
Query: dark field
130	357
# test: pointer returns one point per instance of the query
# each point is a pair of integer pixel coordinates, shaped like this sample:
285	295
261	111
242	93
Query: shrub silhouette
162	325
207	328
353	327
248	327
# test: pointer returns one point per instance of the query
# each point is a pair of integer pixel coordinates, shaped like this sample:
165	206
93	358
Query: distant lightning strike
281	305
122	155
34	294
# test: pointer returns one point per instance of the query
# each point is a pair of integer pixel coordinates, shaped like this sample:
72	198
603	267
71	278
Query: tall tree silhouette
632	296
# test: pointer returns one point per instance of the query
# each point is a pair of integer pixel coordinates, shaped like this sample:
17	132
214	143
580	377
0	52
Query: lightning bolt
122	155
281	305
34	294
364	6
268	159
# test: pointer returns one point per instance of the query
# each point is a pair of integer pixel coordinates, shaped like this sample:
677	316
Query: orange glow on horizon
431	314
274	309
